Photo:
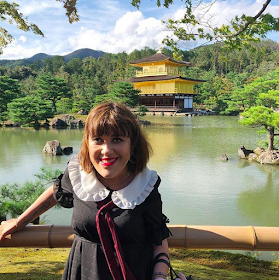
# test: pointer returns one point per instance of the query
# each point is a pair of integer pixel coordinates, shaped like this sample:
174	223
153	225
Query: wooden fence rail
184	236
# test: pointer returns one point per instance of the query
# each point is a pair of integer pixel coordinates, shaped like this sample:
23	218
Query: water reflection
50	159
259	202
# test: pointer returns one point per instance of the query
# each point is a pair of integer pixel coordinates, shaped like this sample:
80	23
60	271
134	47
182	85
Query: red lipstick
108	161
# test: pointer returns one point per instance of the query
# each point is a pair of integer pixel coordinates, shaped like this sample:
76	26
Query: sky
110	25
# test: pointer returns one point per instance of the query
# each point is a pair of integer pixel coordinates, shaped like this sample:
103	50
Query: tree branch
246	25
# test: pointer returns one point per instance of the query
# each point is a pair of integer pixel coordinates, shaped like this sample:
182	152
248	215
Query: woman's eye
97	140
117	139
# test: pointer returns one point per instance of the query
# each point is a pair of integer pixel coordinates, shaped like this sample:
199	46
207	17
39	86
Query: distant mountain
38	56
82	53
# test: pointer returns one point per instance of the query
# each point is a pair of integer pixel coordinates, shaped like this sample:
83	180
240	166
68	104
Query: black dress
138	219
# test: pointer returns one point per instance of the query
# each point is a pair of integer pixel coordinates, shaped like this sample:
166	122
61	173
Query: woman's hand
8	227
181	276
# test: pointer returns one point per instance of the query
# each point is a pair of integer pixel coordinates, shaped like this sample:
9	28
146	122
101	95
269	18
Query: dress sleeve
63	190
155	219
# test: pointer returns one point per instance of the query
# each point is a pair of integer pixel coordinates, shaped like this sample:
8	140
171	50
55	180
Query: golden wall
160	87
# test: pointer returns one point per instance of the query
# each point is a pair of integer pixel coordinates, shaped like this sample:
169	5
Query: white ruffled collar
88	188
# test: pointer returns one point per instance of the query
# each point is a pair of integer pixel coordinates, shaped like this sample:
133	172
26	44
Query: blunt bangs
106	127
113	120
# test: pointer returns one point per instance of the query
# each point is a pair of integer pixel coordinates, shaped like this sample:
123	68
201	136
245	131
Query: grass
217	265
32	264
48	264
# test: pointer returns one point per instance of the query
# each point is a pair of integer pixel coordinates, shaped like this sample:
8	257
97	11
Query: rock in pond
66	150
224	158
243	152
53	148
56	123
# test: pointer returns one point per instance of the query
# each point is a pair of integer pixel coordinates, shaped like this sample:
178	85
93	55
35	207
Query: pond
197	187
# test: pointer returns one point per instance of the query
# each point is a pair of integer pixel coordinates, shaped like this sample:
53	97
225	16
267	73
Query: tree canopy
52	88
121	92
30	110
262	112
9	90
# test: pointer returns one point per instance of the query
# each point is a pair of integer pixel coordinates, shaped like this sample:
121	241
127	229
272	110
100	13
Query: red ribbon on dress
106	229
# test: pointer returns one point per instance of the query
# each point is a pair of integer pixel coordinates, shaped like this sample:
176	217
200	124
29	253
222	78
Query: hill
38	56
81	53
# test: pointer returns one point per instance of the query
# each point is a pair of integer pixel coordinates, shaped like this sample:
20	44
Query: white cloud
17	51
22	39
128	23
32	7
131	31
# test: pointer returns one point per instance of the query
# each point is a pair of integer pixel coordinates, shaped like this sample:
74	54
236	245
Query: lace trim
88	188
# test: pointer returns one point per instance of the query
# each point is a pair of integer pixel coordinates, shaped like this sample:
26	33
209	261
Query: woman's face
109	155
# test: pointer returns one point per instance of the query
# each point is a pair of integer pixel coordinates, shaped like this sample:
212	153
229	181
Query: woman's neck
115	186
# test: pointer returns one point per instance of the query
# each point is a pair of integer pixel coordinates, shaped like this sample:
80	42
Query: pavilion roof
158	57
159	78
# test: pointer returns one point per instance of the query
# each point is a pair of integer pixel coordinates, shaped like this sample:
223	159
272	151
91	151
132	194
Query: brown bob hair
115	118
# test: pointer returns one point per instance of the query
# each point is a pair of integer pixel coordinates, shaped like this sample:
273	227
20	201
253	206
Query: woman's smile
108	161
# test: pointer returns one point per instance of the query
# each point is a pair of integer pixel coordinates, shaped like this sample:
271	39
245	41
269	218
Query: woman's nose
107	149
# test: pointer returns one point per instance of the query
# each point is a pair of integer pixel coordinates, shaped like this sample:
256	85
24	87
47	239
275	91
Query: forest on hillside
234	80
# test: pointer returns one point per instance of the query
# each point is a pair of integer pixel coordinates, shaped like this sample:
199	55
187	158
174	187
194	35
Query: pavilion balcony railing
166	108
159	73
166	91
159	91
183	236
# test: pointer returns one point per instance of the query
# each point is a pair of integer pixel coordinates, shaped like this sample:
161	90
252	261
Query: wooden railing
163	108
159	91
165	91
159	73
190	237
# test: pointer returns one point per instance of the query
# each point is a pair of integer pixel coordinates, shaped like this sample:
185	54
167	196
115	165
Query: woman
117	210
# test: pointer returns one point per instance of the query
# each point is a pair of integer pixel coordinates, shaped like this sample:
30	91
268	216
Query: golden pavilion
162	85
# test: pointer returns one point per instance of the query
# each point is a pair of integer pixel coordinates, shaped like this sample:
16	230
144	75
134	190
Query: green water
197	187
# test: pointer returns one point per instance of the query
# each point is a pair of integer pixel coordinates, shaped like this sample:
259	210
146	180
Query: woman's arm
44	202
160	267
